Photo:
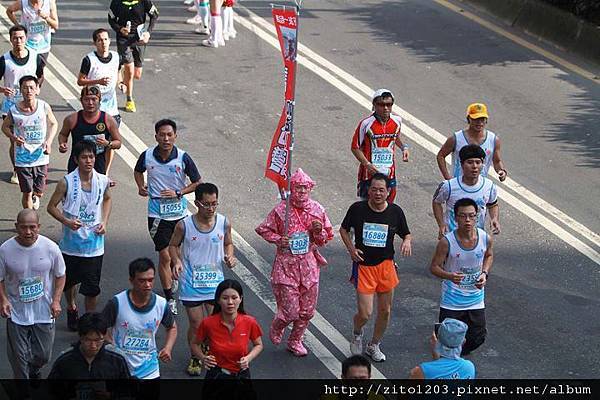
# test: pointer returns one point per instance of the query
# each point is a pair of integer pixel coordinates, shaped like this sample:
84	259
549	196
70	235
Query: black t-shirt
374	231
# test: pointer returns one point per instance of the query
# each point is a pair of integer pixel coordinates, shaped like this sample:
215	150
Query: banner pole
289	170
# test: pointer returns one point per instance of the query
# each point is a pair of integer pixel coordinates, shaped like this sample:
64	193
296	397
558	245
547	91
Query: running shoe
72	319
188	2
195	20
173	306
14	178
36	202
297	348
192	9
232	34
130	106
209	43
356	345
201	30
375	352
275	335
226	35
194	367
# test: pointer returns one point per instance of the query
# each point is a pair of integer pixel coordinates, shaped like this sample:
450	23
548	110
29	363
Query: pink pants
294	305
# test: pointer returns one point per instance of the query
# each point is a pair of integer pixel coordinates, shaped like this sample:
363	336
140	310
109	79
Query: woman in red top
227	333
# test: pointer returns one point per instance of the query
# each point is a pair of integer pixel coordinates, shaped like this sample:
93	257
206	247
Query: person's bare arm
51	18
355	254
11	10
403	147
494	213
141	184
445	150
57	196
488	260
52	129
106	210
5	306
438	213
360	156
165	354
498	163
229	259
438	260
65	131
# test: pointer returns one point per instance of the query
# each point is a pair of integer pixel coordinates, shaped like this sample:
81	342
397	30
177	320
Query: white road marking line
261	290
364	101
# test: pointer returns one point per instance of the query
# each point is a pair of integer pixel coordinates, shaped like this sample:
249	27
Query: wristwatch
109	145
487	274
178	194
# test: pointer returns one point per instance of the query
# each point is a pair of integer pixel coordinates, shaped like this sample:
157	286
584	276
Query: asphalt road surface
542	297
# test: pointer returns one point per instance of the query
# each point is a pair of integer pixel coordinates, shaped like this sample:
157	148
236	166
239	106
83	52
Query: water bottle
128	26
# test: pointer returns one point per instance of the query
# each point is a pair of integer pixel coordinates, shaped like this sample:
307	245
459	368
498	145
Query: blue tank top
446	368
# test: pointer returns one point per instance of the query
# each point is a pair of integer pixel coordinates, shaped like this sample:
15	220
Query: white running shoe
36	202
232	34
173	306
356	345
201	30
192	9
188	2
226	35
209	43
195	20
375	352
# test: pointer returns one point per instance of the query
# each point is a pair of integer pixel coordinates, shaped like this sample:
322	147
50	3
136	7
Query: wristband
178	194
487	274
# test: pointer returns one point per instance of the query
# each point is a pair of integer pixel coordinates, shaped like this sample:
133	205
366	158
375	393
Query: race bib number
382	158
34	137
137	342
206	276
375	235
470	278
92	138
299	243
171	207
38	27
87	219
31	289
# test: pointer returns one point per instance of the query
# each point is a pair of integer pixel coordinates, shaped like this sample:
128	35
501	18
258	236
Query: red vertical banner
279	157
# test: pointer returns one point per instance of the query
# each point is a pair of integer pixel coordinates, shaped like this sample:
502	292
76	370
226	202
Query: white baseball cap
380	92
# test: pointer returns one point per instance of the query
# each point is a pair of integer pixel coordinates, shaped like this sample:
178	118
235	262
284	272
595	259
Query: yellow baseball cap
477	110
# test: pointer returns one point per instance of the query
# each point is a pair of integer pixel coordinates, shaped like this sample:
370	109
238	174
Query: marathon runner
86	205
134	316
32	277
375	222
128	19
101	67
374	141
216	38
463	260
201	18
167	167
477	118
297	265
41	20
14	65
204	240
470	185
31	125
92	125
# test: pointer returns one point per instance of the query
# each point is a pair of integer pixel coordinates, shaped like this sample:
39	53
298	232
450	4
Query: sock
204	11
129	98
225	19
168	294
230	28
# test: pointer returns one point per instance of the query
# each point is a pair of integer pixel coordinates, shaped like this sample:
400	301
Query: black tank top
89	131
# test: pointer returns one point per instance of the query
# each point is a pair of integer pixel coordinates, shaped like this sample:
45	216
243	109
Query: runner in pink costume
295	275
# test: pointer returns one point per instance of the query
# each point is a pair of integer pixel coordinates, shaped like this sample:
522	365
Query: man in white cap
477	118
373	143
446	347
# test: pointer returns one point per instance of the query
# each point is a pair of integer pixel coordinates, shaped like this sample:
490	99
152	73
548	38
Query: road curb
546	23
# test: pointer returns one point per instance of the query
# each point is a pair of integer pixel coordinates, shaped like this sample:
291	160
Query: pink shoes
297	348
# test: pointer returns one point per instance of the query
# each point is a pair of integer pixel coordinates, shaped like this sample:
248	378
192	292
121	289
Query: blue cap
451	336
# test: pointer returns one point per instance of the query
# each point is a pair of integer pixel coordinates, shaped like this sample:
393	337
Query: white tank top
38	31
134	334
203	254
163	176
483	193
12	73
488	145
31	127
464	296
98	70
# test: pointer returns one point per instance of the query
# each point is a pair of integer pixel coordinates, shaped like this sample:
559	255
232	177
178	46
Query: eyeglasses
467	216
384	104
207	206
